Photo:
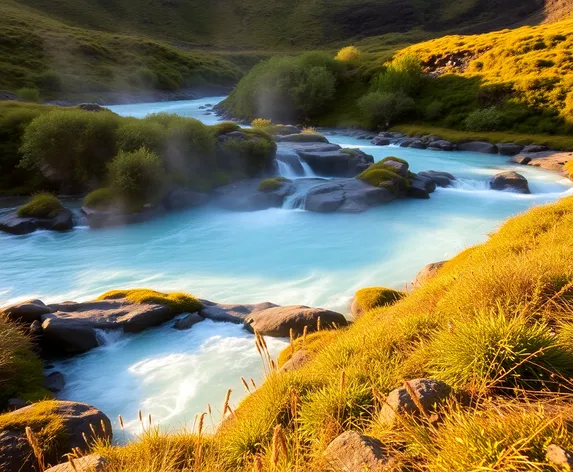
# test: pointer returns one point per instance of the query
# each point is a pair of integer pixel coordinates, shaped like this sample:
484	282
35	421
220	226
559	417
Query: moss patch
268	185
41	205
178	301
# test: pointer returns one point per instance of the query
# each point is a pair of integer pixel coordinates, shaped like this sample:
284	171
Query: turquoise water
278	255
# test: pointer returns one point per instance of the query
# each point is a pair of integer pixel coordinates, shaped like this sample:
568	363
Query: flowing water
276	255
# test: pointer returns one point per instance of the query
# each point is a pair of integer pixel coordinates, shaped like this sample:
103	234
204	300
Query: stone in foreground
13	224
91	463
78	422
560	457
27	311
188	321
430	393
354	452
427	272
478	146
510	181
298	360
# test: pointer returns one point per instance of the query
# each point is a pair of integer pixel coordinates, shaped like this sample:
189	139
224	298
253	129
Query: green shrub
29	94
225	127
100	199
268	185
434	110
136	175
250	157
384	109
41	205
487	119
133	134
49	82
496	350
75	145
403	76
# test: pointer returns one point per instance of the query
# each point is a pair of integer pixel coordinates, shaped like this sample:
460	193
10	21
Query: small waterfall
286	170
471	185
109	337
296	201
290	165
308	172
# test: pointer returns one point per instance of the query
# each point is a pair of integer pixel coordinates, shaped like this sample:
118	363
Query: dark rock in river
55	382
336	163
478	146
441	145
11	223
188	321
535	148
116	217
231	313
78	423
417	144
510	181
509	149
441	179
301	138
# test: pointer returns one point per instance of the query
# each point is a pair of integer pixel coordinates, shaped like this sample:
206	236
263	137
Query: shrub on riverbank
41	205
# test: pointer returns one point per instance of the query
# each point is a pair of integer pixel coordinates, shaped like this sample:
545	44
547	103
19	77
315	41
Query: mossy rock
178	301
367	299
41	205
268	185
101	199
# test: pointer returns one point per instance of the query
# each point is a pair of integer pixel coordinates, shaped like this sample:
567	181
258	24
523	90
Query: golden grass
367	299
177	301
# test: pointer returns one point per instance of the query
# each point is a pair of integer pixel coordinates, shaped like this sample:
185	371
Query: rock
91	107
35	329
310	147
478	146
297	361
285	130
188	321
535	148
524	160
325	198
27	311
55	382
560	457
353	452
510	181
378	141
301	138
341	163
245	196
406	142
549	160
11	223
441	179
441	145
71	327
291	158
231	313
427	272
419	188
91	463
78	421
401	168
430	393
278	321
417	144
509	149
182	199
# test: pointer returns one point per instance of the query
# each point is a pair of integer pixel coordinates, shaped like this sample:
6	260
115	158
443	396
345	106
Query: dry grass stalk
318	324
246	385
343	381
416	399
253	383
304	333
201	423
36	449
291	336
198	458
279	445
226	406
258	464
72	465
120	418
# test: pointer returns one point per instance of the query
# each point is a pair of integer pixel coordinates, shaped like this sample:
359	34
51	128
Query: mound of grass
367	299
178	301
21	371
41	205
382	175
100	199
274	183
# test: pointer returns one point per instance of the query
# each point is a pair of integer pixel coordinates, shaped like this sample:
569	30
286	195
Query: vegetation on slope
496	323
178	301
41	205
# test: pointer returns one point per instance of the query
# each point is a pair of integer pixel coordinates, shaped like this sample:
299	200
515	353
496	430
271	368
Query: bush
49	82
496	350
41	205
75	145
434	110
384	109
487	119
261	123
136	175
133	134
249	157
403	75
268	185
100	199
29	94
348	54
225	127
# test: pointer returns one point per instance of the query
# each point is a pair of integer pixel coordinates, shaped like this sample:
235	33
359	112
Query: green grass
559	143
274	183
41	205
100	199
177	301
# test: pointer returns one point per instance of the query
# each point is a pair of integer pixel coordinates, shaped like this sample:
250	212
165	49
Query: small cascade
107	338
308	172
286	170
79	218
471	185
296	201
290	165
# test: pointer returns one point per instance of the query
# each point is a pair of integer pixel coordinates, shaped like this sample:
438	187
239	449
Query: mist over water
278	255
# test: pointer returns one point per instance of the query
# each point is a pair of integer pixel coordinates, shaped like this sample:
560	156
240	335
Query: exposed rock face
429	392
298	360
428	272
11	223
509	149
91	463
478	146
353	452
71	327
245	196
553	161
27	311
417	144
346	195
188	321
231	313
79	421
441	145
285	130
301	138
278	321
534	148
441	179
182	199
341	163
510	181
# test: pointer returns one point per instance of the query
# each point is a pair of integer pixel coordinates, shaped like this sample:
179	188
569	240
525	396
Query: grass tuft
41	205
178	301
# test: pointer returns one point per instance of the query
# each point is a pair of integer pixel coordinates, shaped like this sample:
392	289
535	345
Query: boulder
549	160
291	159
419	188
430	393
401	168
183	198
72	327
341	163
35	329
27	311
55	382
478	146
379	141
117	217
427	272
301	138
510	181
354	452
11	223
441	145
278	321
562	458
284	130
325	198
441	179
245	196
521	159
406	142
188	321
91	463
231	313
535	148
417	144
77	422
509	149
298	360
310	147
91	107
